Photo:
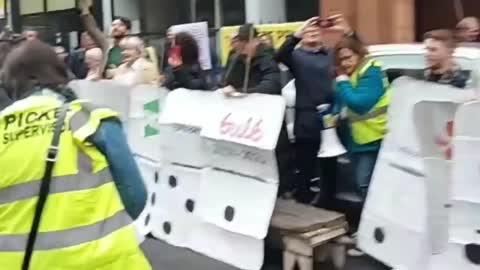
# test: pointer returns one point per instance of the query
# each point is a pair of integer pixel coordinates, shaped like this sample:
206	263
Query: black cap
247	31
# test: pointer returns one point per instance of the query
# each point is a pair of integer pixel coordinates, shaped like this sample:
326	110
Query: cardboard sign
199	32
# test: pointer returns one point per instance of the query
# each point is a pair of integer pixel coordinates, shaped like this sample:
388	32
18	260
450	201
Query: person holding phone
312	64
184	69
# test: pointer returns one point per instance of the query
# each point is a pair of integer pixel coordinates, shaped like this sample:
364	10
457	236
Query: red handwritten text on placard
251	129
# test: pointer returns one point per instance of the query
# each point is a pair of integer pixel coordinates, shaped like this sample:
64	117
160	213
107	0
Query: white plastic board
465	221
457	256
146	102
105	93
184	115
178	203
249	126
150	172
409	188
399	220
235	249
237	203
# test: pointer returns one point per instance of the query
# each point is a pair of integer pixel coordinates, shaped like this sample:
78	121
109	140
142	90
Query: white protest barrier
408	192
209	162
455	257
178	194
465	193
105	93
181	121
238	250
150	172
220	156
433	124
237	203
243	133
139	108
143	132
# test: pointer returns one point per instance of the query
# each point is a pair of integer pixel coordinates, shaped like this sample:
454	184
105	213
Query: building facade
377	21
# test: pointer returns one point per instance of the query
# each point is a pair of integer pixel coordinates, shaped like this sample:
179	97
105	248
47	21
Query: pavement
165	257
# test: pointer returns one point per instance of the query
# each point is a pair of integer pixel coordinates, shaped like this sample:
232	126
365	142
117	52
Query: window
301	10
31	6
233	12
205	11
53	5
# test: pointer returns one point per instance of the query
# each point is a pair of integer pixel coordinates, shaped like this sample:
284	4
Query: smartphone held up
326	23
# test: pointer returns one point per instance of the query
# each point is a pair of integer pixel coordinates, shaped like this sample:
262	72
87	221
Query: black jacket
77	64
186	76
5	100
314	73
264	73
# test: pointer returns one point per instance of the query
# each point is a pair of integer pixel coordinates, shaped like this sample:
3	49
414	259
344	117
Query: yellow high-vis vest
372	126
84	225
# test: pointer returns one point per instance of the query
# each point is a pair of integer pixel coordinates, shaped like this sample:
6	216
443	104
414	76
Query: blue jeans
364	163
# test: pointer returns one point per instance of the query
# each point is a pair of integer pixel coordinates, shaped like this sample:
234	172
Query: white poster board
199	32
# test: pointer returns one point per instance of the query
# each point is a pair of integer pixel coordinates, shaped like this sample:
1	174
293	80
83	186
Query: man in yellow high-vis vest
364	89
84	224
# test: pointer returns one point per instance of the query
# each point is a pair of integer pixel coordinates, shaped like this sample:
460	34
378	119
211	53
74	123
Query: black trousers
286	162
311	167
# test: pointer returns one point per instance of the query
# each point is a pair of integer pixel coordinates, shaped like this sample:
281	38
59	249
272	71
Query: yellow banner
279	33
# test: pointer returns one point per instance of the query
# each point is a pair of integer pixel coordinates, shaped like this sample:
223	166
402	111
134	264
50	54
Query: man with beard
121	28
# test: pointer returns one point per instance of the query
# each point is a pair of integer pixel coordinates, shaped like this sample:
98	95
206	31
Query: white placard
199	32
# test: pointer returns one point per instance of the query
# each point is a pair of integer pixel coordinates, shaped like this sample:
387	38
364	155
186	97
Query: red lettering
226	126
256	133
245	130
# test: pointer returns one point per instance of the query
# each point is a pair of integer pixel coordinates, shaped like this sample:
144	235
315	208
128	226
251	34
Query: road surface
165	257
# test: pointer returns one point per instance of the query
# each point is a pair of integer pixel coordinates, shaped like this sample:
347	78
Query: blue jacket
110	140
361	100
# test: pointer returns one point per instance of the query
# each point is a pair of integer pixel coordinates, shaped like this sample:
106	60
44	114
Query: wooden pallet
306	230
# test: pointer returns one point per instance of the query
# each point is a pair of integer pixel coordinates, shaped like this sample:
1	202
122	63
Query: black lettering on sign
9	119
31	117
186	129
232	151
29	131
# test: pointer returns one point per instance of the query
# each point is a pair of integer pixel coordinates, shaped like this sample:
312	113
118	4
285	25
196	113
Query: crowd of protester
344	77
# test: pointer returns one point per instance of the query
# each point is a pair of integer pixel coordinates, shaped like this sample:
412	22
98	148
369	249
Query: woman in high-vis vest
95	188
363	89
